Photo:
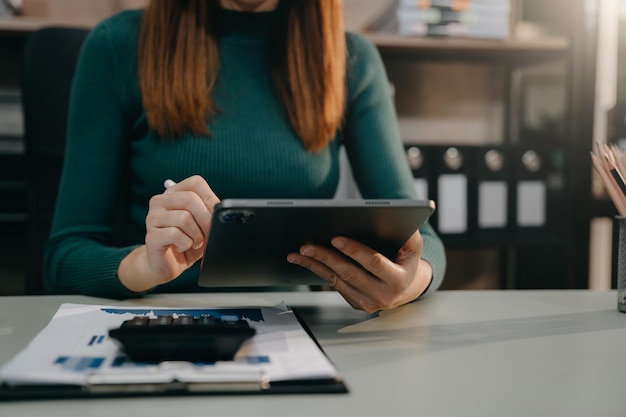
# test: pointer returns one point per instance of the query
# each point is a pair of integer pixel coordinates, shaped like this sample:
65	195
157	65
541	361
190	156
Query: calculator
182	338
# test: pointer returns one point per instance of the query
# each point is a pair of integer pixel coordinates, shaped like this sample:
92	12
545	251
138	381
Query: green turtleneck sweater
252	153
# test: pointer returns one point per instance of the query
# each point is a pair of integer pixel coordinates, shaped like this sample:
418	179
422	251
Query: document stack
75	356
478	19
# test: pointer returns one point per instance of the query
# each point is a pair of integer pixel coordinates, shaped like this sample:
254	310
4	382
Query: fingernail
338	242
306	252
293	260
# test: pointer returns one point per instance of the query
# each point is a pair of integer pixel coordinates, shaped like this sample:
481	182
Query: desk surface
492	353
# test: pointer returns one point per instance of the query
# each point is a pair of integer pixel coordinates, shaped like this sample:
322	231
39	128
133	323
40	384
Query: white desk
494	353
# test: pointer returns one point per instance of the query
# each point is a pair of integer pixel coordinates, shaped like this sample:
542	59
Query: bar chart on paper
73	349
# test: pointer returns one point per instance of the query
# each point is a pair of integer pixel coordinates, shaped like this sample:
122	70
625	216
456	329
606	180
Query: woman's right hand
177	226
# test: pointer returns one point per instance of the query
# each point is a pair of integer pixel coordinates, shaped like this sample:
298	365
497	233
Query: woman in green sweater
231	99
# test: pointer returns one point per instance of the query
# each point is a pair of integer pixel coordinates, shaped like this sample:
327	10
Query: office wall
84	10
358	12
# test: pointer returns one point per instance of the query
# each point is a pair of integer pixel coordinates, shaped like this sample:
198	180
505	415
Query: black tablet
250	239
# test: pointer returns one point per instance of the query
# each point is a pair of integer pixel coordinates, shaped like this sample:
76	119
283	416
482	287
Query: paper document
75	349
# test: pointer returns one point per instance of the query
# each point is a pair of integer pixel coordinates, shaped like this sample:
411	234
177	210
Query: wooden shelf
22	25
390	40
469	49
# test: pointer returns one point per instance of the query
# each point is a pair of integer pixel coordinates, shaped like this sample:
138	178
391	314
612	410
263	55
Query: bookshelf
531	94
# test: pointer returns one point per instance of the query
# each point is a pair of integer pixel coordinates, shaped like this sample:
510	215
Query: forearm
80	265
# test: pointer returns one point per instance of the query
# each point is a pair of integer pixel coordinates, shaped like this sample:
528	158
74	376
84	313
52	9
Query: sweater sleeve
79	257
373	144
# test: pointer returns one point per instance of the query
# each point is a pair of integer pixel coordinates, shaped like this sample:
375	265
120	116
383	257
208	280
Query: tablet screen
250	239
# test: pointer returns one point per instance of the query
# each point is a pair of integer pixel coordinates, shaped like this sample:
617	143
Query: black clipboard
48	392
174	389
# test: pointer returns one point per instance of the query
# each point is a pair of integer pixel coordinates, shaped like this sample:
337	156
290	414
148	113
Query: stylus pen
169	183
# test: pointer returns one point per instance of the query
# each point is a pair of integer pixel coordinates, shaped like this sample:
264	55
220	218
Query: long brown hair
176	80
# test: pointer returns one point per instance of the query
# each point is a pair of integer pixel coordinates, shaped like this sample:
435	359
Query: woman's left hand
366	279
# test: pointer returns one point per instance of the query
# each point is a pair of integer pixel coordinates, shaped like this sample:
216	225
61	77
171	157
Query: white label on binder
452	204
531	204
421	188
492	204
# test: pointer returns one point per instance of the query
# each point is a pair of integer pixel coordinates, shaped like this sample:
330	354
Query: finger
323	272
411	250
314	266
393	277
180	219
177	210
184	201
338	271
374	262
166	237
199	186
345	283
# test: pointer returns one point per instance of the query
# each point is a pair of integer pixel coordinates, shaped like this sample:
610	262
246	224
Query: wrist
133	272
423	278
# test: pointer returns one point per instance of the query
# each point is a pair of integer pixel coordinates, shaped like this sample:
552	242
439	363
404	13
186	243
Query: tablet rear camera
232	216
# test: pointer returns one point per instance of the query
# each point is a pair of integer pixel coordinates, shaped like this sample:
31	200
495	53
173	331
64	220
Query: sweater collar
246	26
